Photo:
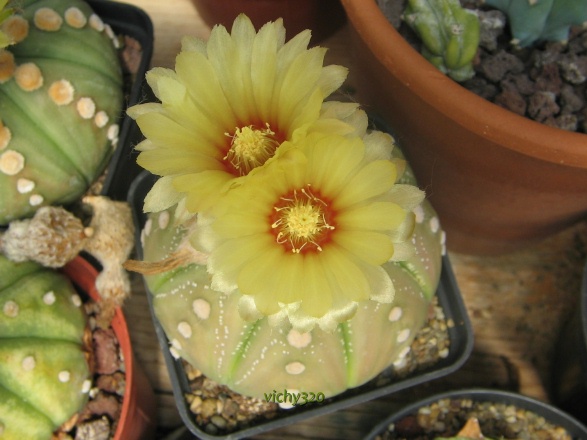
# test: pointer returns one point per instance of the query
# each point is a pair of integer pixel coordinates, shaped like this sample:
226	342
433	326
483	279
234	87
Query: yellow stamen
302	221
250	148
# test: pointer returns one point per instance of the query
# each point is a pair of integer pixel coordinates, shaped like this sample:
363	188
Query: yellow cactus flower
228	106
304	239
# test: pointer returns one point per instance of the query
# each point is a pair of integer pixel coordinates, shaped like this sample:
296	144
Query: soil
99	418
218	410
447	417
546	83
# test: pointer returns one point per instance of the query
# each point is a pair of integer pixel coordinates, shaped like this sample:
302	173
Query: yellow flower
304	239
228	106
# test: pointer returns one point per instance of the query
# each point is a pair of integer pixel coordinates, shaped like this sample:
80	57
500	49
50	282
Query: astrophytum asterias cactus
60	101
44	372
256	357
541	20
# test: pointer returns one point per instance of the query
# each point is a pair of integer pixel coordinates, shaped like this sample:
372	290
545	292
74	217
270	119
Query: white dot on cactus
184	329
24	186
86	107
163	219
101	119
400	363
173	351
49	298
75	18
176	344
404	352
28	76
395	314
16	28
76	300
61	92
11	162
419	213
297	339
10	309
148	227
86	386
96	23
36	200
442	237
295	368
28	363
201	308
7	66
46	19
64	376
288	404
109	32
434	224
113	131
443	353
5	136
403	335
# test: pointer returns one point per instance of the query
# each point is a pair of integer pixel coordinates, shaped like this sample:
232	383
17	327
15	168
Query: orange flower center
302	221
250	147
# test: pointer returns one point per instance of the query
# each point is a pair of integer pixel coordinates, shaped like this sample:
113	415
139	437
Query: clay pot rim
502	126
83	274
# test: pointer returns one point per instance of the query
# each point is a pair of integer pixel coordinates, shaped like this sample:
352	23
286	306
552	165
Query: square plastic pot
127	20
550	413
449	298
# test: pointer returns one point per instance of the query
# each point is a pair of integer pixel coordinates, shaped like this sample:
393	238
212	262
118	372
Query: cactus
44	373
60	101
255	358
449	33
532	21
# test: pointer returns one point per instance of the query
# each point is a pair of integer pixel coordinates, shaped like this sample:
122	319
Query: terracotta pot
498	181
137	419
323	17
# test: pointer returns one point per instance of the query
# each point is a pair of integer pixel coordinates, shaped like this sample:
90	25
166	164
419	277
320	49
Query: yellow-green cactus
60	102
256	357
449	33
531	21
4	14
44	372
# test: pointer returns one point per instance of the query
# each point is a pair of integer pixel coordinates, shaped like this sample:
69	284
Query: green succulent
60	103
532	21
44	372
449	33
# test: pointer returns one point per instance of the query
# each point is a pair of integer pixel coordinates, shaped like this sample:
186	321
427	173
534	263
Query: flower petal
372	247
372	180
374	216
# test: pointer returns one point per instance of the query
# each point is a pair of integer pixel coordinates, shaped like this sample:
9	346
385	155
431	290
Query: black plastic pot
127	20
550	413
569	380
461	343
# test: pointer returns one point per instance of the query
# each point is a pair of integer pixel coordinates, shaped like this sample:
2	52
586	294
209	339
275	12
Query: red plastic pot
138	415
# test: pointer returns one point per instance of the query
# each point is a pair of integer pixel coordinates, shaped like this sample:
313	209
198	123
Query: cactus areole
44	372
60	101
205	328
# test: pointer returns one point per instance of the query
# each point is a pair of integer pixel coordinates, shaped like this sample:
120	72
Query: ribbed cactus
538	20
44	373
60	101
254	358
449	33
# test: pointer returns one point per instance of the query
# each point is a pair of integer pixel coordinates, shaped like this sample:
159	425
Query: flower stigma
302	221
250	148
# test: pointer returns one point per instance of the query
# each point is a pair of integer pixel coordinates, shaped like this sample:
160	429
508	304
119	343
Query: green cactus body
60	102
449	33
254	358
541	20
44	374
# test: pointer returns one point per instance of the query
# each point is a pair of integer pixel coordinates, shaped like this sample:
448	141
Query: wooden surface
517	303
